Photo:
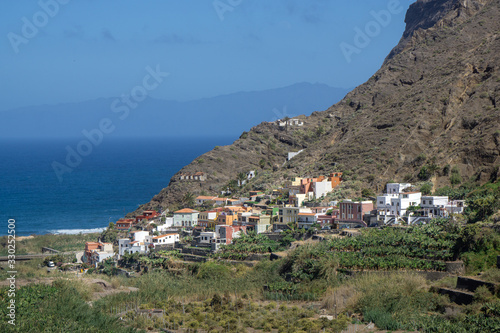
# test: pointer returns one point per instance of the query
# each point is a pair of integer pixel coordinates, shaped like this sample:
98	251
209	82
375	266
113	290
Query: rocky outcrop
425	14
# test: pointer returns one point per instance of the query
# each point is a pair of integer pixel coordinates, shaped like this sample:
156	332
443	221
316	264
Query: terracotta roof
307	214
186	210
204	197
161	236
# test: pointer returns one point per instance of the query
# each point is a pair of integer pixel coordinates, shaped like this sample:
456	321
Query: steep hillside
431	108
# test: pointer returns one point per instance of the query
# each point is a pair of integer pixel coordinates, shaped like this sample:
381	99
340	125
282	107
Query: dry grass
337	300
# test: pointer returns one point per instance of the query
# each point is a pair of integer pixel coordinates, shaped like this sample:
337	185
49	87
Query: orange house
124	224
225	219
335	178
147	215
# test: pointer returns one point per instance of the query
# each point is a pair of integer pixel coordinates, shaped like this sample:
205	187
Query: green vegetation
419	248
252	243
426	188
56	308
455	177
62	243
110	234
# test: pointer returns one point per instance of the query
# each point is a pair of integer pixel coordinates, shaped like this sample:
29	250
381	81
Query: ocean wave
76	231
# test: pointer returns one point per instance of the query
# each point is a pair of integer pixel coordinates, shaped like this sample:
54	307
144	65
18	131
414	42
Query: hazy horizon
58	51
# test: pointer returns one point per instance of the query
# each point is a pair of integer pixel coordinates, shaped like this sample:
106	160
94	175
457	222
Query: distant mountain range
222	115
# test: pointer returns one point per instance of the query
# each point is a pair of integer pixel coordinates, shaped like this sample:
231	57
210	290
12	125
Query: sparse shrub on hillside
446	170
420	159
426	188
367	193
455	177
424	173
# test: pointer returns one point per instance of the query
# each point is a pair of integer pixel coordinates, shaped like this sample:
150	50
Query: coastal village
300	207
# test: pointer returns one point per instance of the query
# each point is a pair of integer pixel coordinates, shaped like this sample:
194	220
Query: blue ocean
114	179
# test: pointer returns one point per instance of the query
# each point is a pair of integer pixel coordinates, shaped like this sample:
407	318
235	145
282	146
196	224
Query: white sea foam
76	231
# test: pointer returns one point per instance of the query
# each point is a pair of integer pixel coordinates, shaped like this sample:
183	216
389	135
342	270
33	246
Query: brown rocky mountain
433	106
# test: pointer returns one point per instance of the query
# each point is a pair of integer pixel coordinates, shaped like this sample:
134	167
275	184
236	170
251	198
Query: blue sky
84	50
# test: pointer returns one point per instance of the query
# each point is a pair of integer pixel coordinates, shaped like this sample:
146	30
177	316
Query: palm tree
233	185
241	178
188	200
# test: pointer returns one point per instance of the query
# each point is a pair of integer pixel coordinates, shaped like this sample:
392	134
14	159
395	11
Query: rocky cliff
433	106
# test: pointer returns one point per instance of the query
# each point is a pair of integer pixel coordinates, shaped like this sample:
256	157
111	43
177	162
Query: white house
139	235
162	239
250	174
440	206
322	188
169	223
207	237
455	207
306	220
186	218
138	247
396	188
291	122
394	203
400	204
125	245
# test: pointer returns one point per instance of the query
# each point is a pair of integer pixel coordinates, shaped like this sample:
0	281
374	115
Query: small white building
306	220
396	188
139	247
207	237
169	223
138	235
400	204
291	122
455	207
394	203
125	245
322	188
440	206
250	174
167	239
186	218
